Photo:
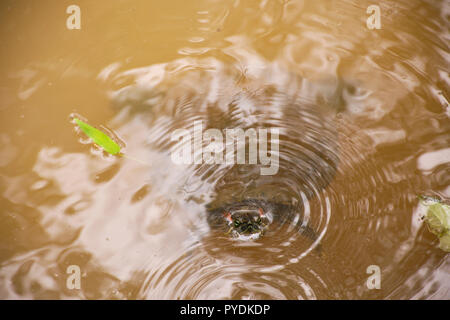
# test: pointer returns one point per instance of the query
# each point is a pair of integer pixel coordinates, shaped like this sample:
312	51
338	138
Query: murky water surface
363	120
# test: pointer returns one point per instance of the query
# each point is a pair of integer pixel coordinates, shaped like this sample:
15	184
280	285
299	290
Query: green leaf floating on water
438	220
99	137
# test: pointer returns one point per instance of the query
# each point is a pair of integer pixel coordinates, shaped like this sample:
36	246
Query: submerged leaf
99	137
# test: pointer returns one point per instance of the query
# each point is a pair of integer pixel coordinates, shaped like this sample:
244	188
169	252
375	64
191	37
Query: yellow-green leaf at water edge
444	242
438	216
438	220
99	137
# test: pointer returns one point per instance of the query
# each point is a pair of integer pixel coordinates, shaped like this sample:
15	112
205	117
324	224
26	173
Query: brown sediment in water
144	69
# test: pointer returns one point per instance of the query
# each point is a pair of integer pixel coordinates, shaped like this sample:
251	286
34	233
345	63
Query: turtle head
246	223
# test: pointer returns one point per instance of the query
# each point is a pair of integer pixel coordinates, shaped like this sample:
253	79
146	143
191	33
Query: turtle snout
249	226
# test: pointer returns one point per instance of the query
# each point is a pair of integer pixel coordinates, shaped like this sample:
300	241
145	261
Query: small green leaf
99	137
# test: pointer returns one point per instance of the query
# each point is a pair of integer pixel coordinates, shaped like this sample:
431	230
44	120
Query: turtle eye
236	223
227	216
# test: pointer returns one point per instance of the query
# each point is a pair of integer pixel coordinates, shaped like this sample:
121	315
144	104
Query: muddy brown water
364	128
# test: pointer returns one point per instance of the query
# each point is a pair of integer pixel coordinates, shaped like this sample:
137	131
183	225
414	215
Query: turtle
249	219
